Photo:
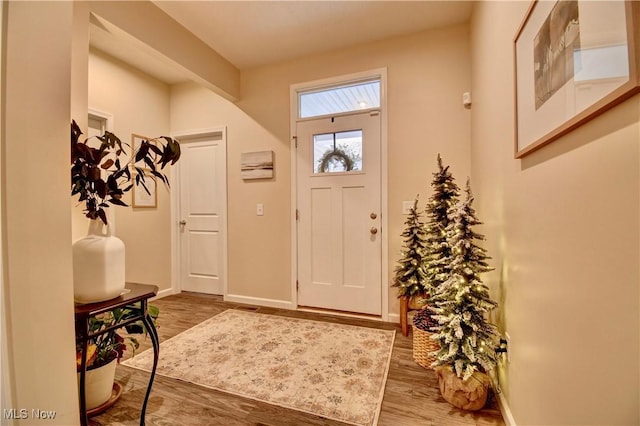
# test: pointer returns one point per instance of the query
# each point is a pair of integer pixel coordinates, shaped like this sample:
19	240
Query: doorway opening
199	209
339	194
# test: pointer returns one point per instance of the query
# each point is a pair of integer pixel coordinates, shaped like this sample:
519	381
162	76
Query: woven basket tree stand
423	345
409	303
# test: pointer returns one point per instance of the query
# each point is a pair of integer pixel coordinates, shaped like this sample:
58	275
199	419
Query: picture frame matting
573	60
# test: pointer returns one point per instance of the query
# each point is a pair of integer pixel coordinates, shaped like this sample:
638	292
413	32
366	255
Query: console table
135	299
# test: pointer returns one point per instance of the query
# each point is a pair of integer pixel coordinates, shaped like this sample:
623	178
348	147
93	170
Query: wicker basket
423	345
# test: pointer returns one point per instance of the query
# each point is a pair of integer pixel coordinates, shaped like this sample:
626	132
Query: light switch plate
260	209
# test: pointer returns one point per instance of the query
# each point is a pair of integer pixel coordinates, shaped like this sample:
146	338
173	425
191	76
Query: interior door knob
183	222
373	230
373	215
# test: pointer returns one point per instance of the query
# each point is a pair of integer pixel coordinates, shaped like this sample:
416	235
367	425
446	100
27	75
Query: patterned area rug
335	371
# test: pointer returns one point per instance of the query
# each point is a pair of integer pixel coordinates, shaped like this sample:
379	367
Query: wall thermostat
466	99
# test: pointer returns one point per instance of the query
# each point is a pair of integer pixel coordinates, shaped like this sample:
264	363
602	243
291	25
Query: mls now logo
43	414
23	413
15	414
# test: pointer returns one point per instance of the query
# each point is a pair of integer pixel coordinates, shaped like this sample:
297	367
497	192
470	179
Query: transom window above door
341	99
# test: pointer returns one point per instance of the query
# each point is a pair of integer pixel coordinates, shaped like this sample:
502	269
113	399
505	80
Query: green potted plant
461	304
105	351
100	176
409	274
436	260
444	198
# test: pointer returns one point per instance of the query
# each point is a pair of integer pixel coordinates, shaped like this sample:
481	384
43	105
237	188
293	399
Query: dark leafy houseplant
103	349
100	178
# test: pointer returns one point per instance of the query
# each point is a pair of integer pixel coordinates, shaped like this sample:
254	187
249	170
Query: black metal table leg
153	334
84	331
84	312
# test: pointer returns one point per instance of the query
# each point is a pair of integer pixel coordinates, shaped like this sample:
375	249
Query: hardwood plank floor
411	394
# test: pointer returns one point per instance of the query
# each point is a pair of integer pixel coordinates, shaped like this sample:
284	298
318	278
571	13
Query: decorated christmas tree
445	196
409	274
467	339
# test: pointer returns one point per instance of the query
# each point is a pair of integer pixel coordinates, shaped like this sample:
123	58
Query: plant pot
98	384
470	394
98	265
416	301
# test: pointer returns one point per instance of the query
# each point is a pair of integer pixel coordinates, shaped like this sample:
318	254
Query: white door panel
339	258
202	166
353	210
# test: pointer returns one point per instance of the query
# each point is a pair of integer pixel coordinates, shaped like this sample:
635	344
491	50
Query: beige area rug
335	371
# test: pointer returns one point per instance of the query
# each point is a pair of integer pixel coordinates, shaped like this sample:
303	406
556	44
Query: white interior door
202	214
339	242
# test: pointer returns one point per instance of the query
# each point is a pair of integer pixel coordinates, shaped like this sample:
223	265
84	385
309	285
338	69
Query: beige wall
45	60
6	386
562	227
37	272
143	22
427	74
258	257
139	104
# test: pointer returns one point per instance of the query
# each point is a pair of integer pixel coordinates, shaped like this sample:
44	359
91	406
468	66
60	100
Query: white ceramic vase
98	265
98	384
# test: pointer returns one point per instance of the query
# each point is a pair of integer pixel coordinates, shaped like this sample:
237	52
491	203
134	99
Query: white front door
339	207
202	212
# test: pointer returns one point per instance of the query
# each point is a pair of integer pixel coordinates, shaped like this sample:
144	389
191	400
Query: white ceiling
254	33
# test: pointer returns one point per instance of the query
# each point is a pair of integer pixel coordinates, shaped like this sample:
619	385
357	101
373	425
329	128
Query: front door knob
373	230
183	222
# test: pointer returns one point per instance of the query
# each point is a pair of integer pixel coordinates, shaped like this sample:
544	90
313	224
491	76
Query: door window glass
337	152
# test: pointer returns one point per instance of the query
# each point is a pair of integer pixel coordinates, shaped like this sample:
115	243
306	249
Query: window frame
332	86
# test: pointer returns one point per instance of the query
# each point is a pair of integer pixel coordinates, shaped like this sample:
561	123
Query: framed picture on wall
140	198
136	141
574	59
256	165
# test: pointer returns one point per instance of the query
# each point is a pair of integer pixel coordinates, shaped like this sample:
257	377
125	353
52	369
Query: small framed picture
256	165
143	199
136	141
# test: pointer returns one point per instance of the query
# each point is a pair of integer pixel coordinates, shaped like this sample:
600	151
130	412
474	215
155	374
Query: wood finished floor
411	394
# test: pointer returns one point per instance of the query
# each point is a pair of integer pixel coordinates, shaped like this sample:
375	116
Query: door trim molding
174	180
380	73
107	117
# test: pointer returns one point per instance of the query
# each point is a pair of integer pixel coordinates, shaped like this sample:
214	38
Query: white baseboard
258	301
502	403
164	293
